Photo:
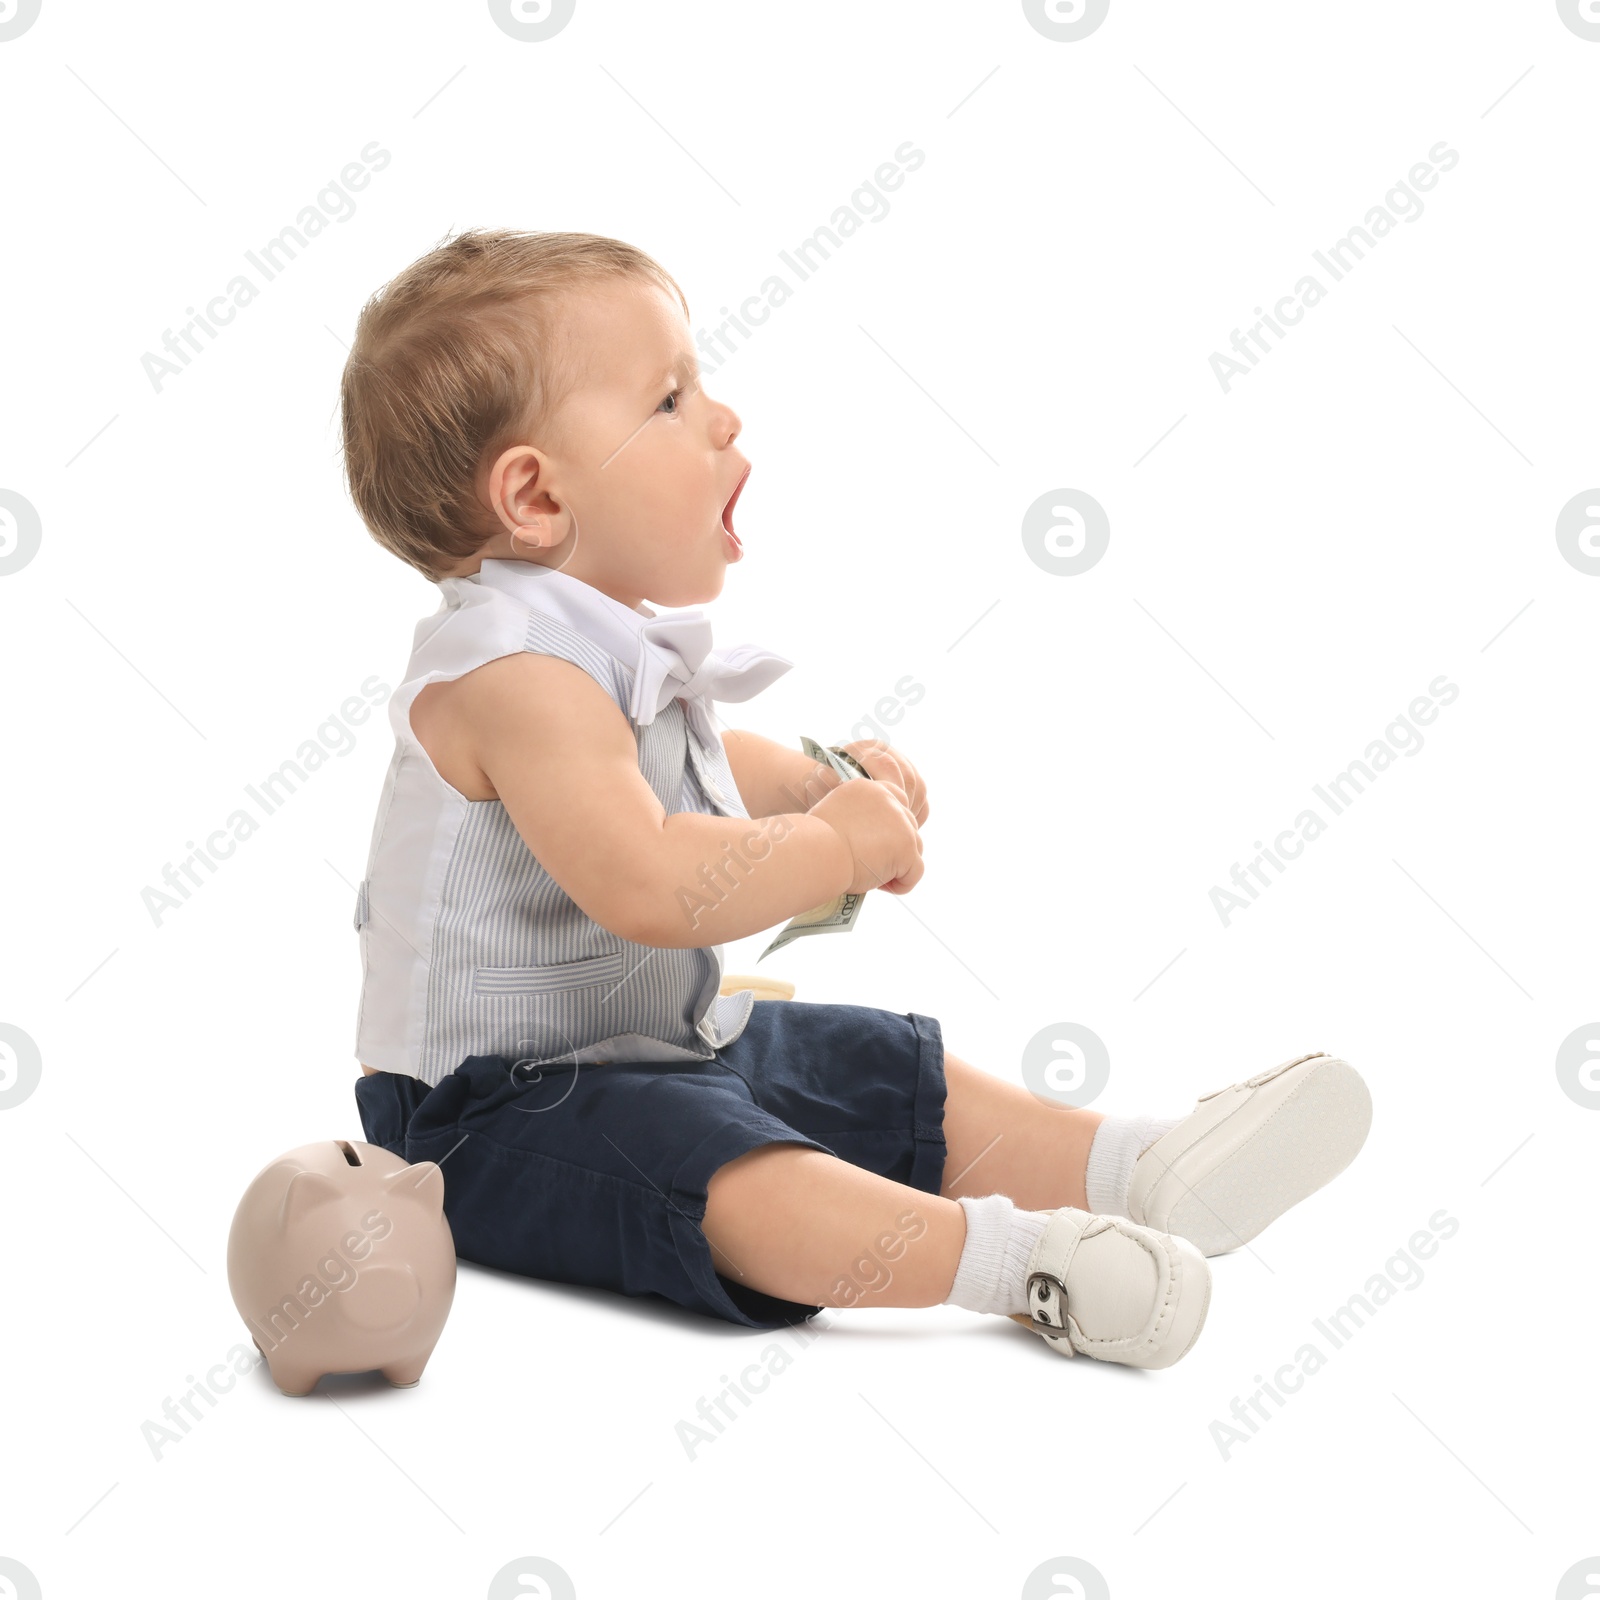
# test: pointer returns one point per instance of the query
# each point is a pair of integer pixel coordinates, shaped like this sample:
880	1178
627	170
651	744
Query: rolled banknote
819	752
837	915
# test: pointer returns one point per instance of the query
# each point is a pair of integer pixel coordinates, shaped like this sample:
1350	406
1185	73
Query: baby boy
542	1006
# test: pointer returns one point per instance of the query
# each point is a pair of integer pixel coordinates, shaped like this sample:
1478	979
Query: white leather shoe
1246	1153
1108	1288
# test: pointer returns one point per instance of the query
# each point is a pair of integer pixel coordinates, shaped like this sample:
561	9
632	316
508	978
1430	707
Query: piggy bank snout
384	1298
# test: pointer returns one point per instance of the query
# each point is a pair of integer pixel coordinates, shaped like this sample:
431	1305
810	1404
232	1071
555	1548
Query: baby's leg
1004	1140
805	1226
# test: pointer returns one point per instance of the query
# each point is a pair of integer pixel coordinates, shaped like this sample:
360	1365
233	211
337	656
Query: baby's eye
672	401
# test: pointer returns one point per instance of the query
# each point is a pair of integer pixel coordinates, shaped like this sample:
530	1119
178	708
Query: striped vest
468	946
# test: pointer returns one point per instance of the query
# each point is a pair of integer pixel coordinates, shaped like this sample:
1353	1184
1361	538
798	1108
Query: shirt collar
670	655
582	607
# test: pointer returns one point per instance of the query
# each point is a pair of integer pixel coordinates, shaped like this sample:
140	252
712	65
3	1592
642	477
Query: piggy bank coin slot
349	1154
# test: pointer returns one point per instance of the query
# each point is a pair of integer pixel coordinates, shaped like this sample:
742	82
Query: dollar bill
819	752
837	915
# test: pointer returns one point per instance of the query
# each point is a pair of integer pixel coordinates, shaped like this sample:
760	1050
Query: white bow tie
676	660
672	654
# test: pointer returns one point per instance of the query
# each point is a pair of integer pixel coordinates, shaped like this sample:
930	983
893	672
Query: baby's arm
564	762
773	779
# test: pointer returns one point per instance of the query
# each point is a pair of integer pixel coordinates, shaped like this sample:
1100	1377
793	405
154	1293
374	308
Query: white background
1294	562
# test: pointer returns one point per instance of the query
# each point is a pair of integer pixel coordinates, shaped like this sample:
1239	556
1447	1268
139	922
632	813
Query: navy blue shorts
596	1174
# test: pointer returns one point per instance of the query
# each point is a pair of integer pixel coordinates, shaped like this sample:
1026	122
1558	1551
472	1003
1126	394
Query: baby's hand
893	767
875	821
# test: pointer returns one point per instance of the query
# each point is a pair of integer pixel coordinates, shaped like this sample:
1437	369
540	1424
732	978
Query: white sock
1118	1143
992	1273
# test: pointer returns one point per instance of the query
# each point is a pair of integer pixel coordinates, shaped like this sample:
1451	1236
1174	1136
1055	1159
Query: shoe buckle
1050	1330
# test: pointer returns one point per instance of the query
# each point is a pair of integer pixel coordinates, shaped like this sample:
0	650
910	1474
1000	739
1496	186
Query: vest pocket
555	978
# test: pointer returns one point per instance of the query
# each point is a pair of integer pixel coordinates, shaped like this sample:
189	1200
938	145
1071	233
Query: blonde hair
455	360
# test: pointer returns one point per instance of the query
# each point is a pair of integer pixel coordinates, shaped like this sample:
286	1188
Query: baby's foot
1111	1289
1245	1154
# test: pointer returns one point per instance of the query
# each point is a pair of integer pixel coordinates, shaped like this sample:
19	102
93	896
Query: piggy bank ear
424	1181
306	1189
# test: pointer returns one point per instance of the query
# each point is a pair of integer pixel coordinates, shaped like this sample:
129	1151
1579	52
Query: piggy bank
340	1260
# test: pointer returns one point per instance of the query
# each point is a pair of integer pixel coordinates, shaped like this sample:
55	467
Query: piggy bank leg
290	1381
296	1382
406	1374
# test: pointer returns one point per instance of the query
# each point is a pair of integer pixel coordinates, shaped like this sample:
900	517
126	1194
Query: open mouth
727	510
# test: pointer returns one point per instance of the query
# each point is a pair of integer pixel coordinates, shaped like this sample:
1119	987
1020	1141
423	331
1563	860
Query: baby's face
644	462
